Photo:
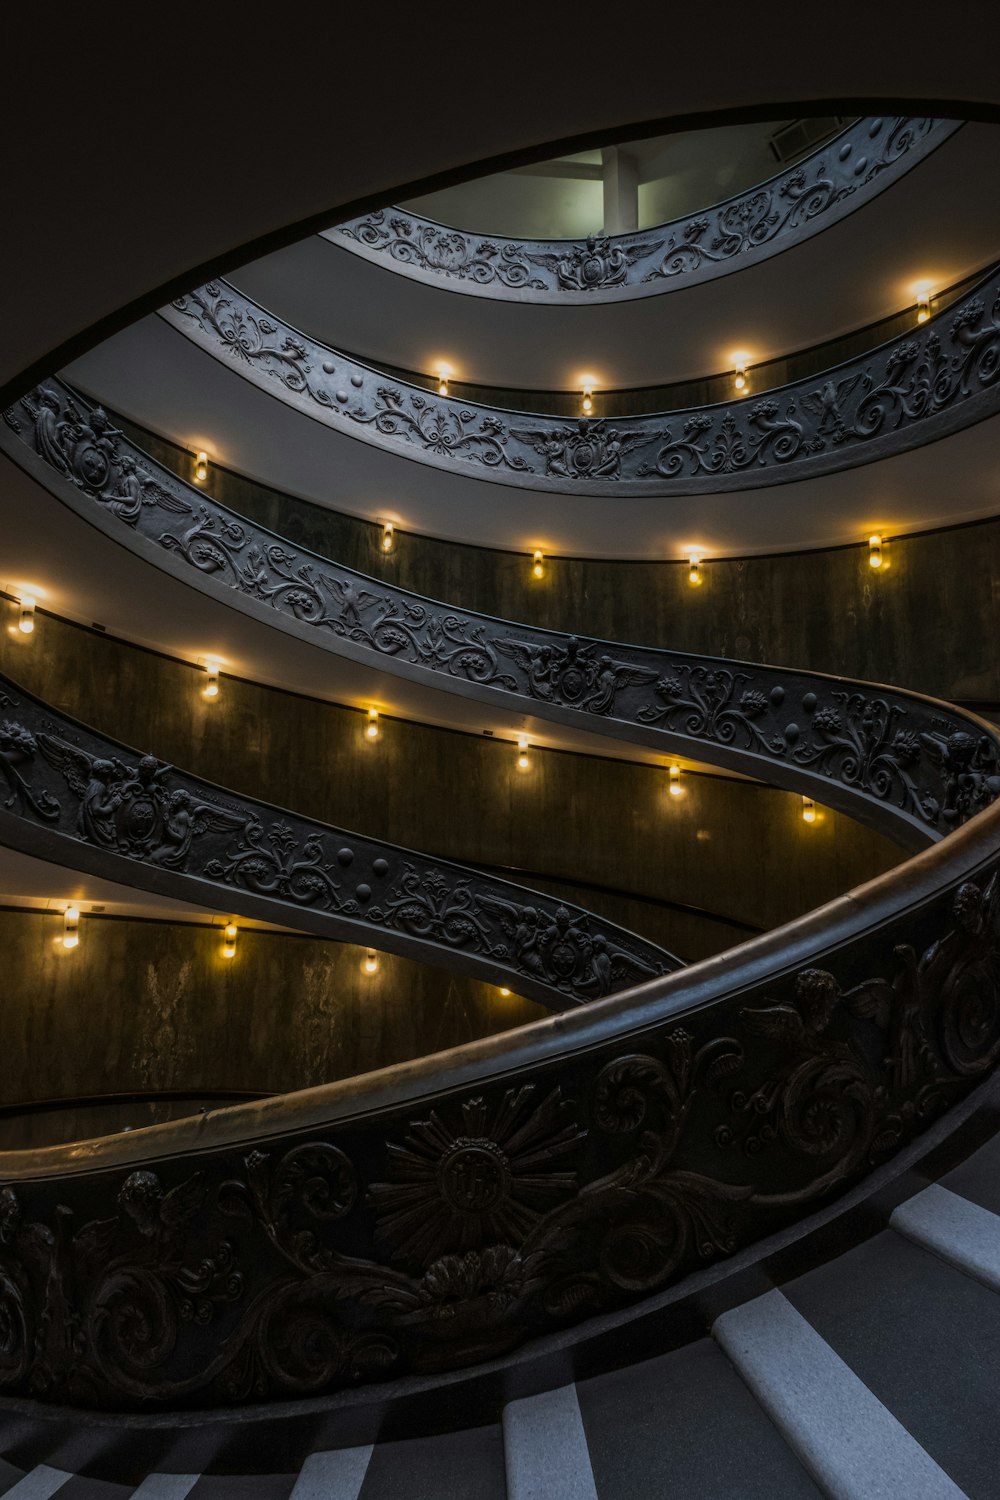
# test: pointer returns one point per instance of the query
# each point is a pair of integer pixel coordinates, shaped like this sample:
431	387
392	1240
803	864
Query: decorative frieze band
931	381
762	220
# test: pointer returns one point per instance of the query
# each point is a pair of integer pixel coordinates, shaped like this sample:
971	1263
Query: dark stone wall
695	873
927	621
152	1006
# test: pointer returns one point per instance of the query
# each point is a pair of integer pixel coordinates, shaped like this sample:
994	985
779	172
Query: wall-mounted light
740	379
388	536
523	758
808	810
923	307
588	400
371	728
674	775
538	565
26	618
370	965
200	468
874	551
229	940
505	992
694	571
71	927
211	688
442	382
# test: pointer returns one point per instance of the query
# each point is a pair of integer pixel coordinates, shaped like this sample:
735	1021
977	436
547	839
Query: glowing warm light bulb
740	378
694	571
538	567
370	965
211	688
442	382
371	729
923	307
675	781
200	468
388	536
875	551
229	940
808	810
523	759
71	927
26	619
588	400
505	992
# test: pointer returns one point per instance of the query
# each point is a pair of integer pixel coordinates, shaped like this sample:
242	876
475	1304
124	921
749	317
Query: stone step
850	1442
956	1230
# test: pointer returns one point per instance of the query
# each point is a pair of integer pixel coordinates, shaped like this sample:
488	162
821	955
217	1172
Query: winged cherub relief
132	809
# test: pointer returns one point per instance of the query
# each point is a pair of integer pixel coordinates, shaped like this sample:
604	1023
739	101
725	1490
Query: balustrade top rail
911	766
106	806
920	386
760	221
444	1212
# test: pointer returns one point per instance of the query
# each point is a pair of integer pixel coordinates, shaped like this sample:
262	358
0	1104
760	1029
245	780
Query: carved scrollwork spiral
638	1256
970	987
16	1330
624	1089
318	1179
304	1347
133	1327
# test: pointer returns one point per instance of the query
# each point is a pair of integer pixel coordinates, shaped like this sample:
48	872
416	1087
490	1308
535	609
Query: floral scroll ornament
773	214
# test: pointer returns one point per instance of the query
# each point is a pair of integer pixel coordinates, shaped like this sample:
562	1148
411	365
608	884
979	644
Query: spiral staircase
551	1122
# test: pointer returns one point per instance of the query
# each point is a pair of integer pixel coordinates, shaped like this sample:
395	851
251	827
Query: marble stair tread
337	1475
978	1177
166	1487
954	1228
546	1453
39	1483
653	1428
463	1465
925	1339
852	1444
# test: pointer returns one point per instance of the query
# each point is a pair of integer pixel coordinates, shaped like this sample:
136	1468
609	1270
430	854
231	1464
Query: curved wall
604	828
154	1006
927	621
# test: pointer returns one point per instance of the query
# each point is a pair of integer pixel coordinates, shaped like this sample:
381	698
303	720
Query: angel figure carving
130	809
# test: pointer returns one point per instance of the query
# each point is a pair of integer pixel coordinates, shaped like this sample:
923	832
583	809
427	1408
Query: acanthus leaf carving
765	217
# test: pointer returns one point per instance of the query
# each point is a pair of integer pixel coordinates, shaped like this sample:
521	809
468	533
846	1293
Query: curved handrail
763	220
438	1213
907	764
81	799
918	387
